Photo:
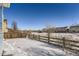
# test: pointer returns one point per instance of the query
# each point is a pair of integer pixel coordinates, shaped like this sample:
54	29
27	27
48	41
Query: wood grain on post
33	36
63	43
39	37
48	36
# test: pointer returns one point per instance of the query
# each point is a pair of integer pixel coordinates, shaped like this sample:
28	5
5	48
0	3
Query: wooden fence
14	35
65	43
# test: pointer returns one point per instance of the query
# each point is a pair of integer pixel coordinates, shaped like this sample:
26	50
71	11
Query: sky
38	16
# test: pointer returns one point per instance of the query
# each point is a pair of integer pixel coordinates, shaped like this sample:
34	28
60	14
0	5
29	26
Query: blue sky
37	16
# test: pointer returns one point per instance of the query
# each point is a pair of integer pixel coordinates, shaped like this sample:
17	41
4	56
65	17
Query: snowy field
28	47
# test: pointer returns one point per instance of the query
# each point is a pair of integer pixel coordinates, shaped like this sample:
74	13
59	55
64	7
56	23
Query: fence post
48	37
63	43
39	37
33	36
29	36
3	53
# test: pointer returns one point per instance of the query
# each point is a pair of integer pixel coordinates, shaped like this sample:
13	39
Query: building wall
74	28
4	26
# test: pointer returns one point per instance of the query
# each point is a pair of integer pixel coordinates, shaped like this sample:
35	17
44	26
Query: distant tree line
71	29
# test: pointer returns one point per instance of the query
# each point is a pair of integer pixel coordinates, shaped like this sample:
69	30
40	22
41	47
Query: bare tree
14	25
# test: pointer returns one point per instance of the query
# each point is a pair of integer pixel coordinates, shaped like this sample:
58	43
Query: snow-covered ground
28	47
